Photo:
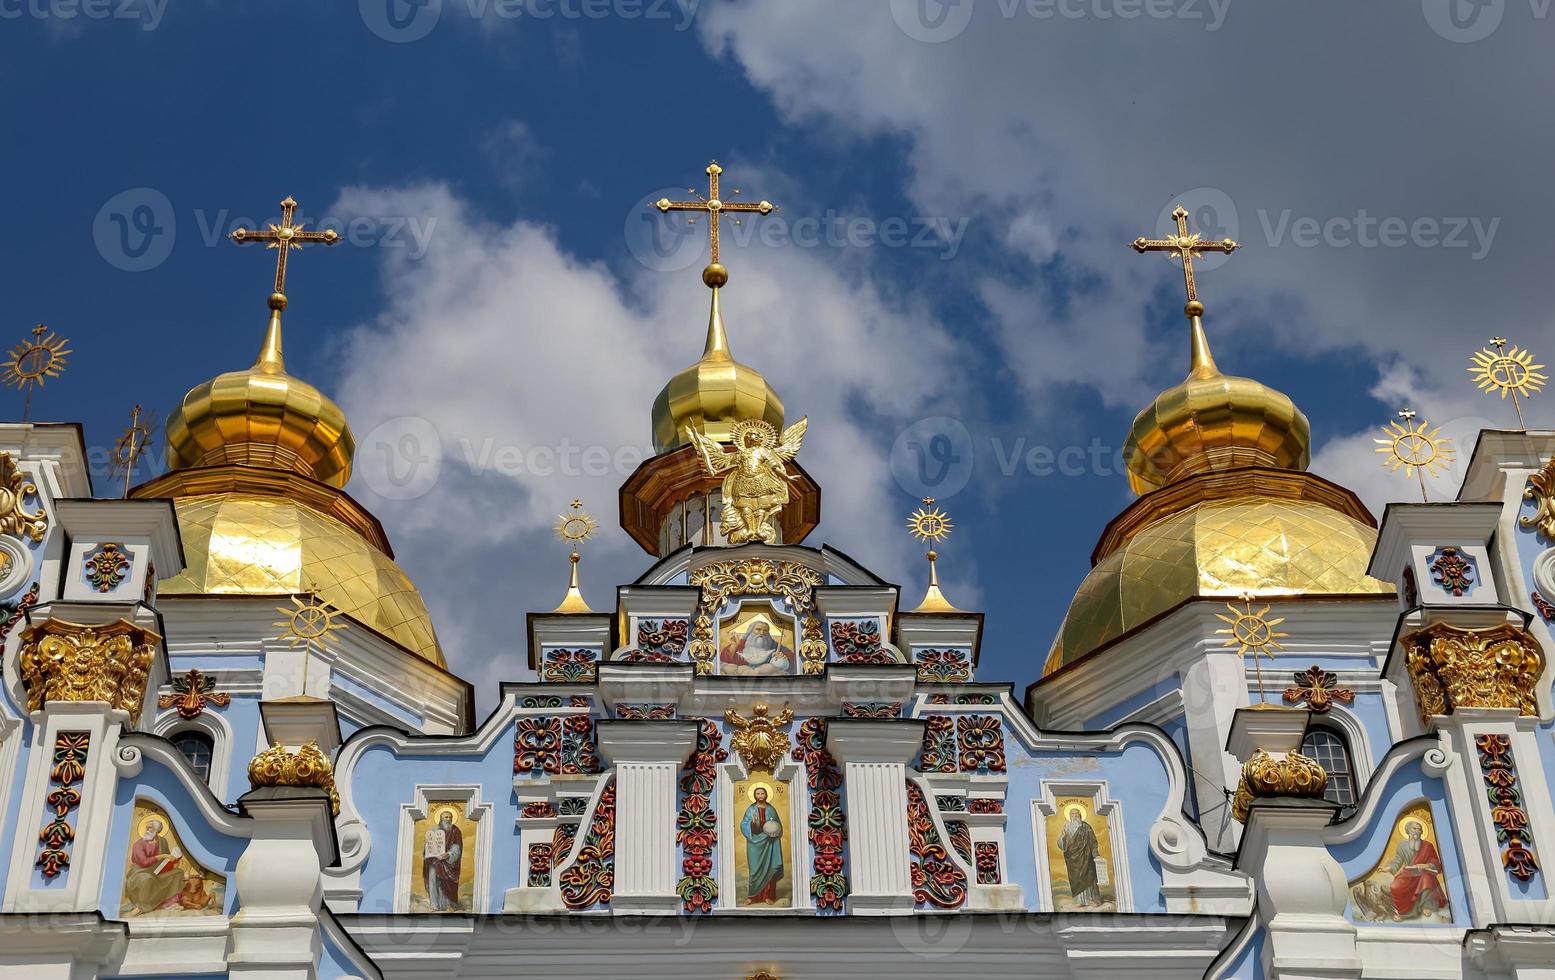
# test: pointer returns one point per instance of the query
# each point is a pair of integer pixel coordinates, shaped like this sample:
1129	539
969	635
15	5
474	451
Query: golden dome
716	391
1214	422
256	461
262	417
1226	511
1255	531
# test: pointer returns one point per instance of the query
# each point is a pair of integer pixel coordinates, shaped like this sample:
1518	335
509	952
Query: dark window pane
197	748
1328	749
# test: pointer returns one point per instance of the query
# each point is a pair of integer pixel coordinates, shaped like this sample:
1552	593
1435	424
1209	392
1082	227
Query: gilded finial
1186	246
713	205
932	525
1508	373
133	444
34	361
283	238
1417	449
575	527
1252	631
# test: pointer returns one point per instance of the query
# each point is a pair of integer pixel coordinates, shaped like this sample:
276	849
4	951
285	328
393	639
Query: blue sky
957	202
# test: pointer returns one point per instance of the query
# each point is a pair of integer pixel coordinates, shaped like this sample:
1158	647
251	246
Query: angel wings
756	476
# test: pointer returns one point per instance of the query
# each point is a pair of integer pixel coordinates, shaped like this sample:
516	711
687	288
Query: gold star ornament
1415	448
1251	631
34	361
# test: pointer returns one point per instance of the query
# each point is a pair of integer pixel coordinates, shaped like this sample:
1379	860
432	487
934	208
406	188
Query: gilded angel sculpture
756	487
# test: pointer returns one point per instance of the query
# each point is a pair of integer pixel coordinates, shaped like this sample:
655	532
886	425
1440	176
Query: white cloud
514	350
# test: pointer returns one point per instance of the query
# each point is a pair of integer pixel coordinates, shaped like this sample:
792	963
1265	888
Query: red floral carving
1506	809
937	880
1318	689
828	826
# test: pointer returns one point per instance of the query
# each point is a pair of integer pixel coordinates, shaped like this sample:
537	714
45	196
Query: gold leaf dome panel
1255	531
236	543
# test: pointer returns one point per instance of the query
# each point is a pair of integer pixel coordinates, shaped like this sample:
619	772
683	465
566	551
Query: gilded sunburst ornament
307	623
1416	448
576	526
1507	372
1251	631
930	523
34	361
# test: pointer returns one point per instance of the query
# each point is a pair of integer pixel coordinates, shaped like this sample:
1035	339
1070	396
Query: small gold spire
575	527
932	525
715	274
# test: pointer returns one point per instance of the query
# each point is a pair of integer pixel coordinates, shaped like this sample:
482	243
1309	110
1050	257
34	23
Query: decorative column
1301	889
84	684
280	876
647	756
1477	686
874	756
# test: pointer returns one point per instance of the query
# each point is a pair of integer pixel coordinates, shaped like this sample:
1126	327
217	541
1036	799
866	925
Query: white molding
1045	807
474	810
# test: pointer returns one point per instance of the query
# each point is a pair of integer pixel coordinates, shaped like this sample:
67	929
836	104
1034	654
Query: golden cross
1185	245
284	237
713	205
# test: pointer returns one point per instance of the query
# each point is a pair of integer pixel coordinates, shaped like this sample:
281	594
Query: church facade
1272	739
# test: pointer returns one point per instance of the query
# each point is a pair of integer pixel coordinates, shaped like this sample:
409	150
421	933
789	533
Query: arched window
1328	748
197	747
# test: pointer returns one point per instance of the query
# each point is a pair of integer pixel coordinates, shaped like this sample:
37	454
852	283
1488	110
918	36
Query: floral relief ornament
308	766
15	488
191	693
106	567
1318	689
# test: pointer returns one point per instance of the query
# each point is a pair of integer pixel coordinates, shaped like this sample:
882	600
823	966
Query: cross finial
714	275
283	238
1185	245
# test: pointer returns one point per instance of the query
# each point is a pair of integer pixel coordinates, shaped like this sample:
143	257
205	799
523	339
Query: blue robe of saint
763	853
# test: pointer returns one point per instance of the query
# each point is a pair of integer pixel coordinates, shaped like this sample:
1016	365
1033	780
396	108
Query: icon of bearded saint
756	487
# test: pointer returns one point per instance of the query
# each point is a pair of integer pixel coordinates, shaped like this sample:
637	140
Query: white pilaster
280	882
1301	891
874	756
648	756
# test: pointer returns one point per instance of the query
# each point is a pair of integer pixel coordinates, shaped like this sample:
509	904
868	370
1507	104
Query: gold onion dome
262	417
1226	509
256	460
715	392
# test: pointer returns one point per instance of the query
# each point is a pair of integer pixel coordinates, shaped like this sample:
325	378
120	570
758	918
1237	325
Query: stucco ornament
277	766
1454	668
722	580
1541	490
760	741
64	661
1265	776
14	488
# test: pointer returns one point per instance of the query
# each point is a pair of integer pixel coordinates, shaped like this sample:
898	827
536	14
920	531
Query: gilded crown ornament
64	661
761	741
34	361
1252	632
575	527
308	766
1415	448
132	445
15	488
755	489
930	524
1507	372
1265	776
